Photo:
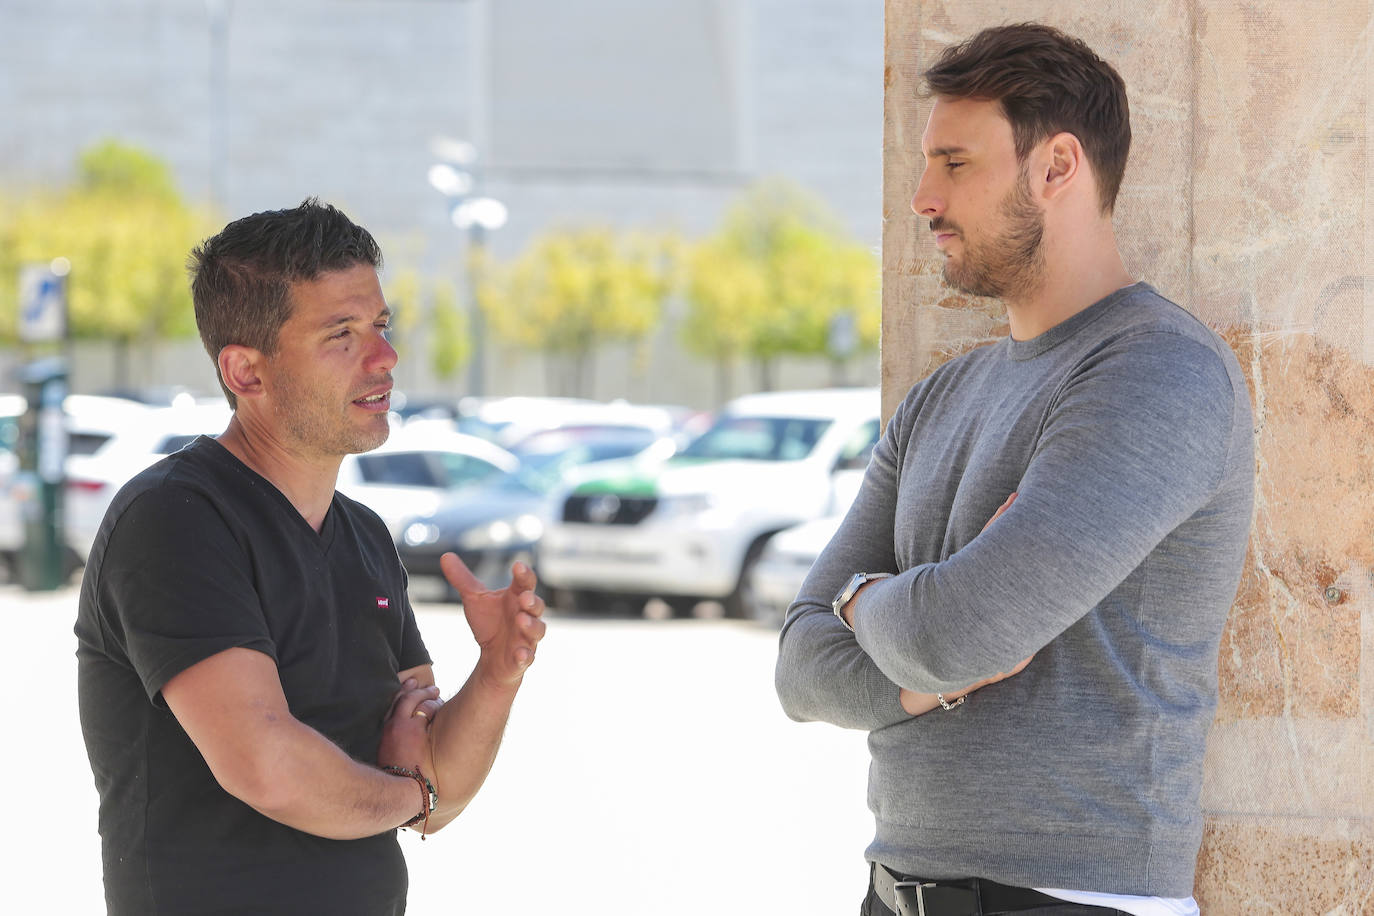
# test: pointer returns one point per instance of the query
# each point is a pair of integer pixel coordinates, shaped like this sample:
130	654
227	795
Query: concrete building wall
1248	202
619	112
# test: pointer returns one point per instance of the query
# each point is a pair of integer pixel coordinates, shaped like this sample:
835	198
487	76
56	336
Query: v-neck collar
324	537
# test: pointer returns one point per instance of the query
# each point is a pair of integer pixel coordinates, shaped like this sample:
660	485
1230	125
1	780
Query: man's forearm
822	675
303	780
232	708
465	737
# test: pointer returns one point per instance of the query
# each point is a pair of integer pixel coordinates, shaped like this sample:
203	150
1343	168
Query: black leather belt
909	896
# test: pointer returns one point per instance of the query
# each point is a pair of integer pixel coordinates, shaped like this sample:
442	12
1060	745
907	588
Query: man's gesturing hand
506	622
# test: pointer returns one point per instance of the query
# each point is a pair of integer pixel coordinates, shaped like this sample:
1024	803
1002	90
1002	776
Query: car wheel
681	605
740	604
601	603
570	600
619	604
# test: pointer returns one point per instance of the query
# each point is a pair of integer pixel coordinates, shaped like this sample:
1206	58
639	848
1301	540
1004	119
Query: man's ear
1062	164
240	366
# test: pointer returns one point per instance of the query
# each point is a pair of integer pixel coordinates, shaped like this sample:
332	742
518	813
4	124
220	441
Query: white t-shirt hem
1137	906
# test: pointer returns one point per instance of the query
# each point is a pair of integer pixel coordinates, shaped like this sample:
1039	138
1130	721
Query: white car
94	419
419	464
511	421
12	407
90	421
693	527
140	437
406	476
784	565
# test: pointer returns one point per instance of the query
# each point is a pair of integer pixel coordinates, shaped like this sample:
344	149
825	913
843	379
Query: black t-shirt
196	555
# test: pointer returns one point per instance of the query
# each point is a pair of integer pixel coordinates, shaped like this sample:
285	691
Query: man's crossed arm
233	708
915	703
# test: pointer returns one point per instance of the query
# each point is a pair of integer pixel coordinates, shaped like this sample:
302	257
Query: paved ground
647	770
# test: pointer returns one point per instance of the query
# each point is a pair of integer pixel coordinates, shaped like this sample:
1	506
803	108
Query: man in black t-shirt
257	703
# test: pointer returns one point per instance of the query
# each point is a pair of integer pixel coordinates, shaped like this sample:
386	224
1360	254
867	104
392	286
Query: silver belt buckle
919	887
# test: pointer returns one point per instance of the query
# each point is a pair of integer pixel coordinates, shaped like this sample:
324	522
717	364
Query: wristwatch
851	587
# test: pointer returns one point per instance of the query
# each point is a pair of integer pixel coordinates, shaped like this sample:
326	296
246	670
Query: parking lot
647	769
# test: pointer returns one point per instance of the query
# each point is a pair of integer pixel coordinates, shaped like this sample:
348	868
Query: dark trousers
874	906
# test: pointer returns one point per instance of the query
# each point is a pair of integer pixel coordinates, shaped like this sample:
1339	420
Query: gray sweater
1126	431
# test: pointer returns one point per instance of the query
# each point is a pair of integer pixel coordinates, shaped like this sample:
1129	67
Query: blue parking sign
43	302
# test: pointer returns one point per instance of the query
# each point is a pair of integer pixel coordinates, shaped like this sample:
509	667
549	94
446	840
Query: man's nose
926	202
383	356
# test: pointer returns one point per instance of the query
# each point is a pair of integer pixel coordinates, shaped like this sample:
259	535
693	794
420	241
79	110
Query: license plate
594	548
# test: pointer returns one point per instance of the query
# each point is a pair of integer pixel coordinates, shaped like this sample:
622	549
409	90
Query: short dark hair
1046	82
241	278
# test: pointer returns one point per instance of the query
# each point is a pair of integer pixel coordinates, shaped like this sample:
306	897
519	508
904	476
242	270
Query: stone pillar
1249	200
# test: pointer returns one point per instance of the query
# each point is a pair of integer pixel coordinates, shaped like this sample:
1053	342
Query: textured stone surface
1285	867
1293	643
1283	765
1279	157
1247	201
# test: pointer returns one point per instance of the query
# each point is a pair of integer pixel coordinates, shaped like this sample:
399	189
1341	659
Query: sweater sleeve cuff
885	700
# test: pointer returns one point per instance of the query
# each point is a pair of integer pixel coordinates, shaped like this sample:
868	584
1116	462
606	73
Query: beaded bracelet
429	797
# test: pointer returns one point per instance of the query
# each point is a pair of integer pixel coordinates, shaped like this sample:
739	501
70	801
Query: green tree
126	232
450	341
773	280
429	310
572	291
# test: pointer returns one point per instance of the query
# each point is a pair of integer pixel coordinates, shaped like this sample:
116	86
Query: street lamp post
456	177
219	12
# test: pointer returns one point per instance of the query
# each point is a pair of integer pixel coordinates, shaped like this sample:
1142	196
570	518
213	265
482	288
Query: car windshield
480	428
541	470
537	474
440	470
9	434
759	438
82	442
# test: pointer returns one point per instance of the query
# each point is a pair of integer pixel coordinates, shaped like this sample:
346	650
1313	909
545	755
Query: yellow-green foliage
773	277
430	306
126	232
574	289
450	340
403	291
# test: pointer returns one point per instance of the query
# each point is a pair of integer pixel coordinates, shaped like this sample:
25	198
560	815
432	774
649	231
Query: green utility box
42	454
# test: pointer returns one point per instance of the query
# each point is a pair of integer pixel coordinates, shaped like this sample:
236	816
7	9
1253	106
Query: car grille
608	509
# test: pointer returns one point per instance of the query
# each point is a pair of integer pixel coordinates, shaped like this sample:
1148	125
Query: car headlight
420	533
502	532
685	504
529	528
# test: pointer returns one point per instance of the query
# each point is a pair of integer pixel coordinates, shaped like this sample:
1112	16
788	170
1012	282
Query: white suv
692	527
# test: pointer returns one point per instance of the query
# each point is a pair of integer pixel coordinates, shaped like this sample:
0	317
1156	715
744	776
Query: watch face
850	587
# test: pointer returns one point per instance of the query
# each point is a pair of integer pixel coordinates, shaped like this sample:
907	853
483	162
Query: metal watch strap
851	588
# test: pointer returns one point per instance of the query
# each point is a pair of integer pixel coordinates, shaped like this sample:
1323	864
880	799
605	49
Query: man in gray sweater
1023	606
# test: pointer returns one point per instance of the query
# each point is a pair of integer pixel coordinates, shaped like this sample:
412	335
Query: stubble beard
307	418
1007	264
